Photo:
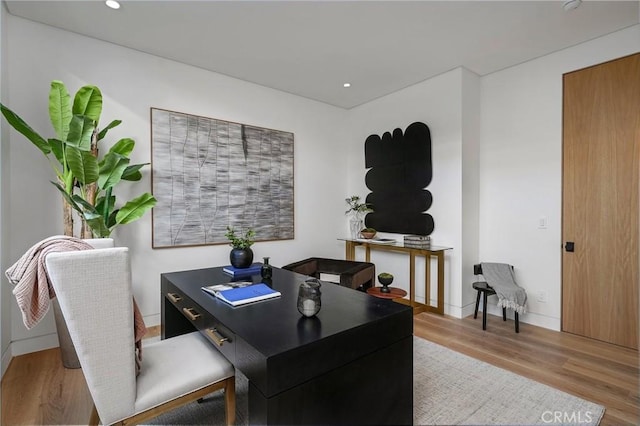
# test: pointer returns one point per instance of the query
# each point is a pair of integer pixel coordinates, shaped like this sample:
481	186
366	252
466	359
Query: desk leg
440	308
412	279
367	254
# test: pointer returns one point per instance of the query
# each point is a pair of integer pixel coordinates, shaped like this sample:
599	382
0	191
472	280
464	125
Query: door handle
569	246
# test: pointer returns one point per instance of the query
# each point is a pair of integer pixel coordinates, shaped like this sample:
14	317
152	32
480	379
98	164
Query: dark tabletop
275	326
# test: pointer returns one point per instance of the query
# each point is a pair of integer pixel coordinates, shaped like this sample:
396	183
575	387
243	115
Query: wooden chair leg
484	310
230	400
475	313
94	419
504	314
517	323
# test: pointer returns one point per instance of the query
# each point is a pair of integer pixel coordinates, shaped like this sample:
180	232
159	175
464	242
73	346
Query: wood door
601	152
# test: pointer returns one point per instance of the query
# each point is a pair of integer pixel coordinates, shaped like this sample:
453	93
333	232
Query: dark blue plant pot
241	258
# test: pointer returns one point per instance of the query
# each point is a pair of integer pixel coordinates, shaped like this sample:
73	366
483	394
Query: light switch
542	222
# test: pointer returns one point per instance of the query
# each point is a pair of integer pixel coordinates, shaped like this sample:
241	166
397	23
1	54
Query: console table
431	251
321	370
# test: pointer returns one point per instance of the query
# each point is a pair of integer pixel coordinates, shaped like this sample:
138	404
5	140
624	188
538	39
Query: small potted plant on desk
368	233
385	279
241	255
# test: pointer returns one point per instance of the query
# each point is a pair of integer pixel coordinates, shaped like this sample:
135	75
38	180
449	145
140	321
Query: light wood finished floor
37	390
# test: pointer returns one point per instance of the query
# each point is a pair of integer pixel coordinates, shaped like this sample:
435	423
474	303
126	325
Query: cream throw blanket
500	277
29	276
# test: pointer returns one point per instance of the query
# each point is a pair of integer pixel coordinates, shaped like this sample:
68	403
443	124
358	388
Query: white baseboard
6	359
527	318
34	344
152	320
26	346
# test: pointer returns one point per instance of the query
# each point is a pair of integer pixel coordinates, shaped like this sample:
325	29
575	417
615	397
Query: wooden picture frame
208	174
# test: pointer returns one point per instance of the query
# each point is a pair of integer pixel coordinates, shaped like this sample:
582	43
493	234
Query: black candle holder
385	279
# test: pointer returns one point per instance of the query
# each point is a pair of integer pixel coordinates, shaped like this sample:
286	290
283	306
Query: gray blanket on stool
500	277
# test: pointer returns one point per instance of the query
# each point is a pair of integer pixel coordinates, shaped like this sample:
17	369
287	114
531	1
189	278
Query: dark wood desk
322	370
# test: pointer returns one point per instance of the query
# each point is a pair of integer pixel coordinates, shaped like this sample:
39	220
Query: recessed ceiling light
346	85
113	4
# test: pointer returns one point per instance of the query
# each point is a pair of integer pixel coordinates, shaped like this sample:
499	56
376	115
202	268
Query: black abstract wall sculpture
399	171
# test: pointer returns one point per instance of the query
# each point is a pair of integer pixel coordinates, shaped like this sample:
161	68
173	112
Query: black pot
241	258
385	281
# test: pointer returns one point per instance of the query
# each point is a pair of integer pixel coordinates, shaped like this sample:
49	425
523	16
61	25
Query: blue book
240	272
239	295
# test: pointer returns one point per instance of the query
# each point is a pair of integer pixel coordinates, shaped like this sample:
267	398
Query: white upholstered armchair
93	288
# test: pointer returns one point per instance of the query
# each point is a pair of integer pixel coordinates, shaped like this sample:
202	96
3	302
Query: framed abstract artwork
209	174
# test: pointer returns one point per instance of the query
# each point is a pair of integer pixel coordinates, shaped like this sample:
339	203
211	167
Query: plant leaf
87	209
57	147
97	225
92	217
22	127
111	222
111	125
82	164
67	197
80	130
123	147
132	173
88	102
134	209
59	109
111	169
100	203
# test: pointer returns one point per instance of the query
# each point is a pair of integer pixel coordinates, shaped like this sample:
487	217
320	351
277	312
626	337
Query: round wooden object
395	293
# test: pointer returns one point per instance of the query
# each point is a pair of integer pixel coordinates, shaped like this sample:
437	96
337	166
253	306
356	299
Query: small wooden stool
484	289
395	293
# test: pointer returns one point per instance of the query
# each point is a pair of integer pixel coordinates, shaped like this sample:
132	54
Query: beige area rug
449	389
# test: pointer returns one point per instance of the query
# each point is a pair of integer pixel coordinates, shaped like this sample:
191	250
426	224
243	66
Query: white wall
521	166
496	151
131	83
470	197
5	292
437	102
497	169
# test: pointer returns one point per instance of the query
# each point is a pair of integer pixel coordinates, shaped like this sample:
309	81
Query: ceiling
310	48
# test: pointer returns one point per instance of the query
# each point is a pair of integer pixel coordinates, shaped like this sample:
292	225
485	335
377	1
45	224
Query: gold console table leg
440	308
350	250
412	279
438	252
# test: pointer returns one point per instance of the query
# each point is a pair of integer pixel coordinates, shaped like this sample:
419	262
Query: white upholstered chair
93	288
67	350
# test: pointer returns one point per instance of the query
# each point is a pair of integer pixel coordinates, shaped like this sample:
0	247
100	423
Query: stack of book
254	269
417	241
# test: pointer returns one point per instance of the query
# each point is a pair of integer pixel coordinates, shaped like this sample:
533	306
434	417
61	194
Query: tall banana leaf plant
85	180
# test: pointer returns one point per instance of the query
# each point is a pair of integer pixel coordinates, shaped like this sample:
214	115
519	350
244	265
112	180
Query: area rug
449	389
